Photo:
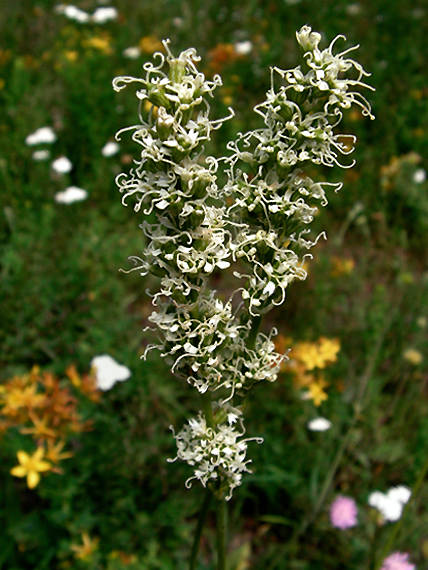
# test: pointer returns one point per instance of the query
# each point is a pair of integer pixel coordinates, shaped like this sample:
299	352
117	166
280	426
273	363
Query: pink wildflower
397	561
343	513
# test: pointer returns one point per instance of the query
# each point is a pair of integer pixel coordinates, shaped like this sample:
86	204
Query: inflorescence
258	220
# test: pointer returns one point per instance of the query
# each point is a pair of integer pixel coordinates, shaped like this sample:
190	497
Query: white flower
62	165
41	154
215	452
132	52
419	176
70	195
110	149
353	9
73	13
243	48
319	424
104	14
41	135
400	494
178	22
390	504
108	371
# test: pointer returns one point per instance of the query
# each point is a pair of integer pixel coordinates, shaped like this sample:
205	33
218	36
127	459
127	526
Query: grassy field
115	502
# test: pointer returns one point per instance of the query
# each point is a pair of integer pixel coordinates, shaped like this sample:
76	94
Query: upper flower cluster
274	199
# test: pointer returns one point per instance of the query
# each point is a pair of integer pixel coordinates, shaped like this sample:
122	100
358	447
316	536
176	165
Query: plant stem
255	325
397	527
221	534
199	526
208	409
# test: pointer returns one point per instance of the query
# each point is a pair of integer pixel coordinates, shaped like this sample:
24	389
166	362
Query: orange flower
54	452
221	55
40	429
87	548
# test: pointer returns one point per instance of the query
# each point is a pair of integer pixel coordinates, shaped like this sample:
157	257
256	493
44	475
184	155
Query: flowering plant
259	220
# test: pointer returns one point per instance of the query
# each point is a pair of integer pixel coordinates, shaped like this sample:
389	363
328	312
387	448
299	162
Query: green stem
208	409
255	325
397	527
199	526
221	534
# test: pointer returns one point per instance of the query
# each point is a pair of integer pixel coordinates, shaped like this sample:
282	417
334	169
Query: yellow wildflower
71	55
308	354
316	354
317	392
149	44
22	397
342	266
30	466
328	348
87	548
101	43
413	356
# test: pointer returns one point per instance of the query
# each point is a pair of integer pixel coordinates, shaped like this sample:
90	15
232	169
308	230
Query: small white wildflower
132	52
178	22
421	322
243	48
73	13
62	165
70	195
41	154
108	372
419	176
390	504
110	149
319	424
400	493
353	9
41	135
104	14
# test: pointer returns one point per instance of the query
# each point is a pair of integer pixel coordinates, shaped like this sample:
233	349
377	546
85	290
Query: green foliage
63	300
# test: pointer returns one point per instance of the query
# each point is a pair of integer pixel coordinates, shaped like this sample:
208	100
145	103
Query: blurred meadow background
99	493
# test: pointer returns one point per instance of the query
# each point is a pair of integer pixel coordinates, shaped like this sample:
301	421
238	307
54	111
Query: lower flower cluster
217	453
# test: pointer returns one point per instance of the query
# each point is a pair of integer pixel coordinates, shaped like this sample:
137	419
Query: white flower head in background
110	149
243	48
73	13
62	165
390	504
419	176
104	14
40	136
108	371
132	52
319	424
41	154
70	195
